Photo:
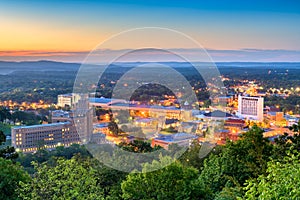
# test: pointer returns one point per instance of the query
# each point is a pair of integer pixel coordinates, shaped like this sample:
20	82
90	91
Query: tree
69	152
27	118
285	142
191	157
138	146
4	114
239	161
207	103
44	155
113	128
68	179
122	116
7	152
174	181
2	137
11	177
110	180
282	180
295	128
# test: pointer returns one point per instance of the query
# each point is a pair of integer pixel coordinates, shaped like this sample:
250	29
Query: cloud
256	55
106	55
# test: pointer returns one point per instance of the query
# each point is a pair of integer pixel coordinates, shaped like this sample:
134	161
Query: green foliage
151	91
69	152
26	118
295	128
207	103
282	180
124	158
171	182
2	137
285	142
229	193
223	175
4	114
285	104
113	128
35	85
239	161
191	156
11	177
6	128
44	155
138	146
7	152
110	180
68	179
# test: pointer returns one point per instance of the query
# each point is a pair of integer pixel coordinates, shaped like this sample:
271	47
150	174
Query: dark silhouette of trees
7	152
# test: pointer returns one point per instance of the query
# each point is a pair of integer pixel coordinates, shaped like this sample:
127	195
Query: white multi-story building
67	99
251	107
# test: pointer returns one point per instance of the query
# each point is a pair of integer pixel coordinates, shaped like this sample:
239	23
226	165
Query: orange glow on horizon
39	53
20	37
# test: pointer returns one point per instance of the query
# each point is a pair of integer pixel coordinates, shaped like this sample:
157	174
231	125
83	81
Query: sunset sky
67	30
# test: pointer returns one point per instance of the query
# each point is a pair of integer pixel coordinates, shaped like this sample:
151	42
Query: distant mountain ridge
10	67
7	67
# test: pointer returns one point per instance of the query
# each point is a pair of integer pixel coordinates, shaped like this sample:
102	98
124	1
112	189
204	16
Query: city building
145	122
226	135
60	116
67	127
251	107
49	136
291	120
98	138
105	102
223	100
65	130
101	128
181	139
234	125
70	100
214	115
275	116
148	110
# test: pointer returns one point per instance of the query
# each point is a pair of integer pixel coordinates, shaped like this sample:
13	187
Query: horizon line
156	55
55	61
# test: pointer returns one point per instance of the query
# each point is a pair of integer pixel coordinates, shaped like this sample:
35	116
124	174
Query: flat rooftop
125	104
175	137
41	125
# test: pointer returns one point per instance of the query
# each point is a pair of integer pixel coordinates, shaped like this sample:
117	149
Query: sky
230	30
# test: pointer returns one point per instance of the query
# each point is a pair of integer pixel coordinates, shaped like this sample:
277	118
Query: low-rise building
181	139
67	127
234	125
101	128
49	136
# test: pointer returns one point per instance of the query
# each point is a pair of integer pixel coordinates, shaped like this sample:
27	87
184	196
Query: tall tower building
251	107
